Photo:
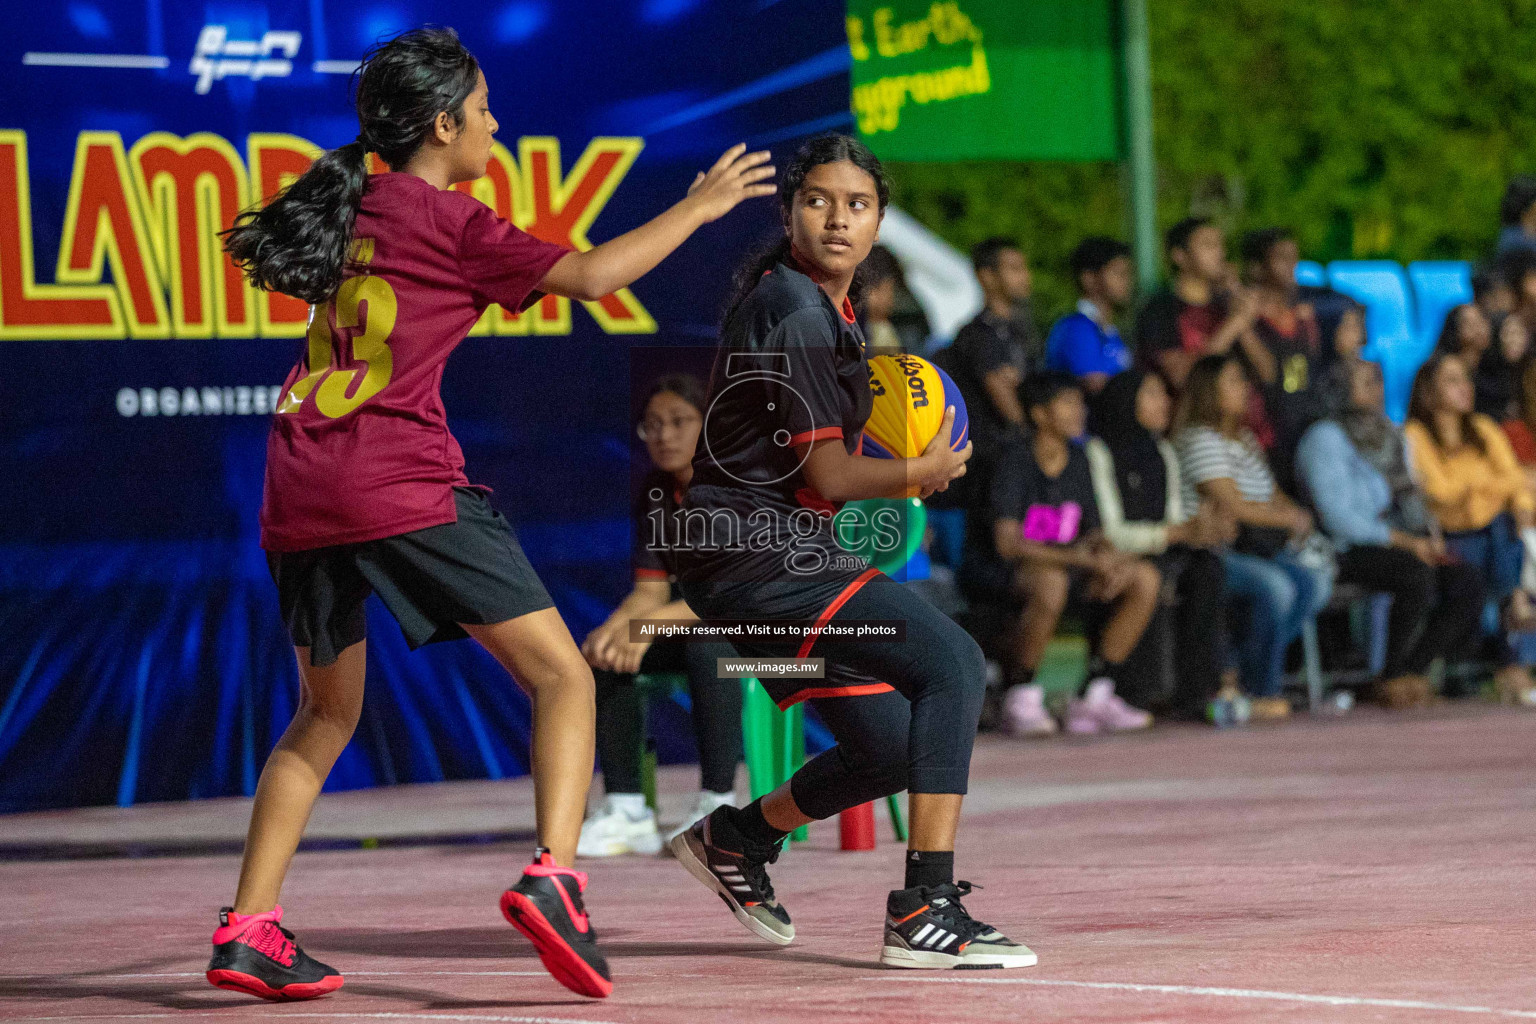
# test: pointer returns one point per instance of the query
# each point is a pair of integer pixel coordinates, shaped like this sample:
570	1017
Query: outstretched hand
734	177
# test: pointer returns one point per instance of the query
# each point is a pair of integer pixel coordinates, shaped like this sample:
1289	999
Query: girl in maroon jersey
365	487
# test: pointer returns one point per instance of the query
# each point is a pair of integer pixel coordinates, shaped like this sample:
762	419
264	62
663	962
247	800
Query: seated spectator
1287	328
1519	269
1478	494
1356	473
1046	551
624	824
1136	486
1467	332
1204	310
1346	339
1521	428
1087	343
1517	215
1221	462
1496	379
990	357
881	275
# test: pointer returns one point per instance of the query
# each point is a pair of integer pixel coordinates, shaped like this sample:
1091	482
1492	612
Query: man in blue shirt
1086	343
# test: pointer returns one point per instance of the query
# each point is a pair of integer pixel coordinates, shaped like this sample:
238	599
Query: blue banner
141	655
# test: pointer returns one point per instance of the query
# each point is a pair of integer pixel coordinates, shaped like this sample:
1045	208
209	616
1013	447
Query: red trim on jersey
847	311
808	497
819	434
860	690
831	609
643	573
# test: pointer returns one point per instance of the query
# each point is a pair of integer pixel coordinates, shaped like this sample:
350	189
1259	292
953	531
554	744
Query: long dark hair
298	243
1201	403
827	148
1421	405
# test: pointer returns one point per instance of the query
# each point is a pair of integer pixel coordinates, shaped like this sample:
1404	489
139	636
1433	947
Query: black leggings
1435	609
917	738
716	716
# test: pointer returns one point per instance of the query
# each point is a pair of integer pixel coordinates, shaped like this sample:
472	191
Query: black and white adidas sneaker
717	855
931	929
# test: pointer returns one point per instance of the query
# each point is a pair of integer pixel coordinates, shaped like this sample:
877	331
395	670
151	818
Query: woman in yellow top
1479	494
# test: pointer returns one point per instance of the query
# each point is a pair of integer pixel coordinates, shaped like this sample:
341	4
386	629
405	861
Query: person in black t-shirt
1204	310
991	356
674	414
789	399
1046	553
1287	326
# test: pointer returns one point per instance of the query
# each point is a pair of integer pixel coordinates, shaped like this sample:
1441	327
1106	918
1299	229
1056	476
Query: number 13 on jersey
329	365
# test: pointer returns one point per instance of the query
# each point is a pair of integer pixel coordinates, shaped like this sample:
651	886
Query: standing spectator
1203	311
1087	343
1136	484
624	824
1517	215
1479	495
1496	379
1048	552
991	356
882	277
1288	330
1356	473
1222	462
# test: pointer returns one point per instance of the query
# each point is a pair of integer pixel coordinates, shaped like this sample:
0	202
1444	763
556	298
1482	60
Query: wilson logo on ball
910	395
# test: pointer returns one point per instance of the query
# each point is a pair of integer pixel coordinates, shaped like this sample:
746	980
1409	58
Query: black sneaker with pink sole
255	954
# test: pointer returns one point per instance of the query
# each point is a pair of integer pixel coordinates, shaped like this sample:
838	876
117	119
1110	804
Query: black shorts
796	601
471	571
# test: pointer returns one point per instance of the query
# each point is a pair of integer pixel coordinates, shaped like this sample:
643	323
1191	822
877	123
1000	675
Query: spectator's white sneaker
703	807
1024	712
623	824
1101	710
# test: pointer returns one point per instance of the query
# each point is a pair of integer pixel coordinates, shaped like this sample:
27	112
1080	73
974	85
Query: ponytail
298	243
752	271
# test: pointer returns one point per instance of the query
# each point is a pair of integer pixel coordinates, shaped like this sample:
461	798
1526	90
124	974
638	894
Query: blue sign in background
141	656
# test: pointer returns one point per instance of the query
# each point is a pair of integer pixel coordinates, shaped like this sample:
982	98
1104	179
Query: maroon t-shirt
360	447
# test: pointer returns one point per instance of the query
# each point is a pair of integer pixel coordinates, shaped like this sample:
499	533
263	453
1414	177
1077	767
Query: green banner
986	79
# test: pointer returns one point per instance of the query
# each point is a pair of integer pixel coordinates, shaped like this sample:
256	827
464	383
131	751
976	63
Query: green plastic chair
772	741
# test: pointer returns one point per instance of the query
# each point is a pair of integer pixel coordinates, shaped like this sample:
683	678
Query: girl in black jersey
789	398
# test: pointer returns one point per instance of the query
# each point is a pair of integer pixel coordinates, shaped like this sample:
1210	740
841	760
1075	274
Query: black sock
754	828
1099	668
1021	677
930	868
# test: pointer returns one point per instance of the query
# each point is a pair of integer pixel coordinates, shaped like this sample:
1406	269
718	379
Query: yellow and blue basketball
910	396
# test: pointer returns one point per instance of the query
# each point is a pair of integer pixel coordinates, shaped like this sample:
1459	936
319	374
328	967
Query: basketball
910	397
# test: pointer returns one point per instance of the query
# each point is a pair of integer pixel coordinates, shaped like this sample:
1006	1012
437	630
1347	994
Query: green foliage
1372	129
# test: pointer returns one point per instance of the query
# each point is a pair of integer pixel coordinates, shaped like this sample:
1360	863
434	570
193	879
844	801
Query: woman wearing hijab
1136	484
1496	377
1355	469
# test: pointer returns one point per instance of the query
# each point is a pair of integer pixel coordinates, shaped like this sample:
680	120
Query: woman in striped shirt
1220	461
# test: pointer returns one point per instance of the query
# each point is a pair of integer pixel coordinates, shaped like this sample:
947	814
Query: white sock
631	804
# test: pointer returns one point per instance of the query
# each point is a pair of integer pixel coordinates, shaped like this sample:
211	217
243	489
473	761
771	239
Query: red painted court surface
1363	869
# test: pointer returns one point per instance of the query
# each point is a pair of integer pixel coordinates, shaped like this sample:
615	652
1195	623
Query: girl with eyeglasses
674	415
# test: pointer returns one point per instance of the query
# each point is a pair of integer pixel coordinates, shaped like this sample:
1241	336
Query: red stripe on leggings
831	609
834	691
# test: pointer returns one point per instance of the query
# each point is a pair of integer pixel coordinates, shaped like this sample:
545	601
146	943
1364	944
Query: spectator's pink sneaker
1024	712
1100	710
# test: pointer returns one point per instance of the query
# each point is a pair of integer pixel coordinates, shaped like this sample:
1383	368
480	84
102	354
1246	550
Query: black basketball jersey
790	370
